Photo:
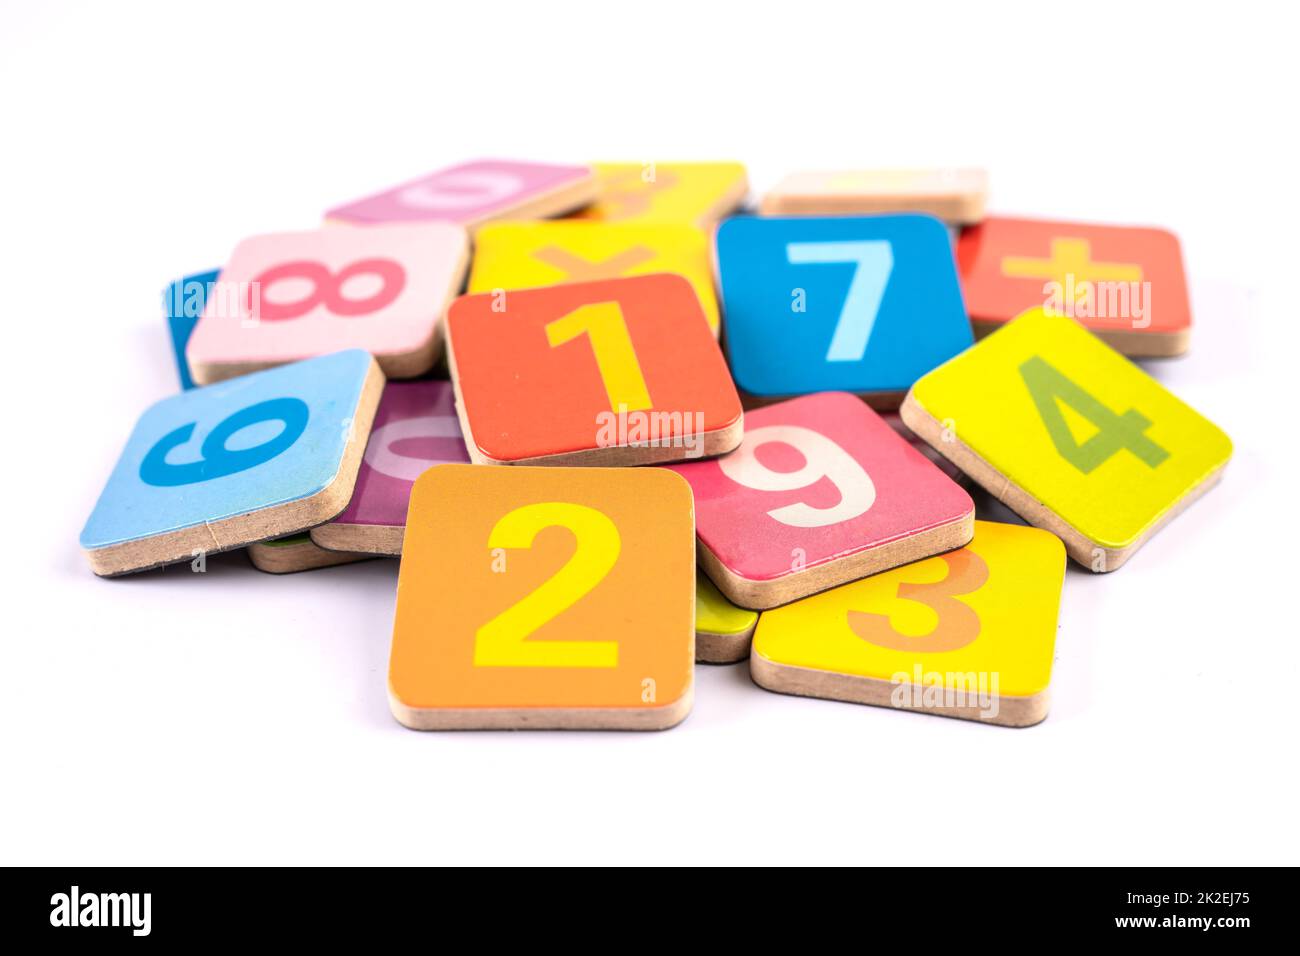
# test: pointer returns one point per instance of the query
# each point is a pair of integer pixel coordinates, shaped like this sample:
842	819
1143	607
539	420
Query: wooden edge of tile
397	365
1147	344
712	647
717	442
879	401
763	595
1128	343
422	359
855	689
292	517
958	210
476	457
209	373
564	198
659	717
372	540
725	205
305	556
1078	546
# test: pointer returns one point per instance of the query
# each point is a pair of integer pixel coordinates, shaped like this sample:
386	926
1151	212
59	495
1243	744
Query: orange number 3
958	623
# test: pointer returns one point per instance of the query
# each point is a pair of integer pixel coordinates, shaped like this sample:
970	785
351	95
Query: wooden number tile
545	598
613	372
183	303
953	195
518	255
1070	435
965	634
291	296
1126	284
216	468
820	492
864	305
476	192
697	194
297	553
722	630
415	428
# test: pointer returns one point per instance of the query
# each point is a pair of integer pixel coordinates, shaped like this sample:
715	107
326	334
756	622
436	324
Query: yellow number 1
502	641
612	346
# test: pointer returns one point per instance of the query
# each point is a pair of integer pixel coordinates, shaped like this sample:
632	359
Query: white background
238	717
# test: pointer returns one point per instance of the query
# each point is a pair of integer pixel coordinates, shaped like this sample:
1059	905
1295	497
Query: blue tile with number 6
255	457
865	304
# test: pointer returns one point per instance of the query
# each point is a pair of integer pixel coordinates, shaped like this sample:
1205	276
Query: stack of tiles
731	436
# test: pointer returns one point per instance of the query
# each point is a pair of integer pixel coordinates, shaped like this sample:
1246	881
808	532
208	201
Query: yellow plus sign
1070	257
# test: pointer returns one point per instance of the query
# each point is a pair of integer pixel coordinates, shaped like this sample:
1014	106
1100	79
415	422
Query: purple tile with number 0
415	428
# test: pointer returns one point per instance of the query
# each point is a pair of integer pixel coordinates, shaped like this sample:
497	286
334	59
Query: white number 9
822	459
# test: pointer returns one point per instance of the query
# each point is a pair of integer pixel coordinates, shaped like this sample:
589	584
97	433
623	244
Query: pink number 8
327	288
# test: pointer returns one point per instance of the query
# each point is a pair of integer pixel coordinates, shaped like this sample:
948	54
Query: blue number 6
218	461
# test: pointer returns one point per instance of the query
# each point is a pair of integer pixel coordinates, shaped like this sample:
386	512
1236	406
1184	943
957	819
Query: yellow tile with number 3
1069	434
969	633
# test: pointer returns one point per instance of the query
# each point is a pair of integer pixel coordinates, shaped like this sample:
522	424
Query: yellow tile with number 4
1069	434
521	255
968	634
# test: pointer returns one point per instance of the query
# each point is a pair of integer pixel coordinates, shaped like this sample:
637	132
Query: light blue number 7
874	260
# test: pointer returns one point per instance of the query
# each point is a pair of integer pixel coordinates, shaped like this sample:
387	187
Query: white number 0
822	459
873	261
381	457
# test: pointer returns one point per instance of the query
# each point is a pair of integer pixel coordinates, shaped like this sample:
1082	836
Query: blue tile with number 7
255	457
864	304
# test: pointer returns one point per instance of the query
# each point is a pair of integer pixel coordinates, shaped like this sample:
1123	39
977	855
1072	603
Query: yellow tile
690	193
714	614
521	255
1080	428
986	611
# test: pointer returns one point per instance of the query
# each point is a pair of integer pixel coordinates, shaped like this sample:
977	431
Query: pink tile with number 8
289	296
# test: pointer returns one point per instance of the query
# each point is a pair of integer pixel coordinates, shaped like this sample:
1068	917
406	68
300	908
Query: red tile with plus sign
1125	283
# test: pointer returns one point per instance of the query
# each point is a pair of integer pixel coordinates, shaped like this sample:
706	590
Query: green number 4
1114	432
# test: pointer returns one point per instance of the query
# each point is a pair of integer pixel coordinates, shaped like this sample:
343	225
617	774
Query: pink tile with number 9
289	296
820	492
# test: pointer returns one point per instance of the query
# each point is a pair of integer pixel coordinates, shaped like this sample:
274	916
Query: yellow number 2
612	346
502	641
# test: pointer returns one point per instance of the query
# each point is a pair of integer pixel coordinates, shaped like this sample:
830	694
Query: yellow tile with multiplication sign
1070	434
521	255
693	193
969	633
